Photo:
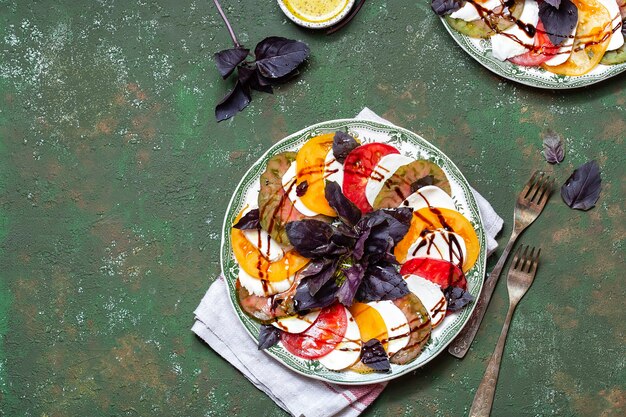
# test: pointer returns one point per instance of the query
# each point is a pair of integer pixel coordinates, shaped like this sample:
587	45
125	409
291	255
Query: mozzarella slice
503	47
348	351
617	38
429	196
289	185
430	295
296	324
469	12
564	51
385	168
333	169
398	330
261	287
268	247
439	244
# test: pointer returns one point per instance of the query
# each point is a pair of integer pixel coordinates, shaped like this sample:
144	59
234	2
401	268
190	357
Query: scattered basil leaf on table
553	148
582	189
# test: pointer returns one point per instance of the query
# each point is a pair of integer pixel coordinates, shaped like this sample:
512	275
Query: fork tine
529	184
523	260
530	259
535	262
537	187
545	191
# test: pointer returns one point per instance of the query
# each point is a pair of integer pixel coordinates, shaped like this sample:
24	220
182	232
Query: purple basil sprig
276	60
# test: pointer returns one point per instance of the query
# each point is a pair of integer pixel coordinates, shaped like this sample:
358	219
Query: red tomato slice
443	273
543	50
322	337
357	169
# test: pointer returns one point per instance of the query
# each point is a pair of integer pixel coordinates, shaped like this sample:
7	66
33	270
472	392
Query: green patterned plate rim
480	50
409	144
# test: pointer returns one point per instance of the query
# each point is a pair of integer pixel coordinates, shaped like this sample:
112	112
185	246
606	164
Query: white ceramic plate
409	144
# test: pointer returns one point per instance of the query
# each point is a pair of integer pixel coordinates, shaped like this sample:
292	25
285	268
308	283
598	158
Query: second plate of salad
556	44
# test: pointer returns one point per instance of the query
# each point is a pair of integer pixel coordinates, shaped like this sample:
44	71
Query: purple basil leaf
554	3
359	247
277	57
399	221
302	188
374	356
318	273
233	102
347	290
457	298
331	249
343	238
249	221
381	282
444	7
343	144
252	78
559	23
268	336
346	210
228	59
553	148
308	236
422	182
582	188
304	301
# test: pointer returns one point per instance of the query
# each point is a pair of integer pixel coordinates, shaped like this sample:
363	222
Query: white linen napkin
217	324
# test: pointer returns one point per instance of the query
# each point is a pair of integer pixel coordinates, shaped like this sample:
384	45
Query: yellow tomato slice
255	264
251	260
592	38
311	166
371	323
440	218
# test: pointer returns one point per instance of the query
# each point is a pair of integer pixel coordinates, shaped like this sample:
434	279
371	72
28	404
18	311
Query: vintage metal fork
520	277
529	205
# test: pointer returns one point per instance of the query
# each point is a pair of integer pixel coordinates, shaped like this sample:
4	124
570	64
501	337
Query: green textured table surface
114	180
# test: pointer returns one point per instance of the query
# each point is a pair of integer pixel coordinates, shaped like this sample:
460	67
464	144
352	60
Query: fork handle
463	341
483	399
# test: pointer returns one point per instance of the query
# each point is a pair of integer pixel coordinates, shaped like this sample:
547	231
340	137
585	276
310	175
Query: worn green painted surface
114	178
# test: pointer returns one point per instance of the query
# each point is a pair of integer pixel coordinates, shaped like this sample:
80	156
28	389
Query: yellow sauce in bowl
316	11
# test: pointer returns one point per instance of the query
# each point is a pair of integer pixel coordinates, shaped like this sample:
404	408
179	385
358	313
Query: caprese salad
353	254
566	37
